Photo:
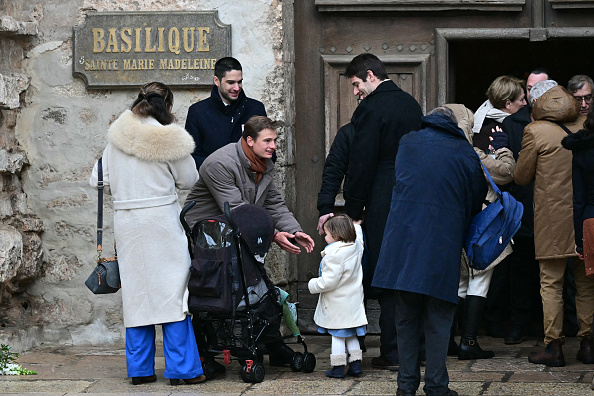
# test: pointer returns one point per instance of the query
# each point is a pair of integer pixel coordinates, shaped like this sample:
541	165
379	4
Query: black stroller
237	310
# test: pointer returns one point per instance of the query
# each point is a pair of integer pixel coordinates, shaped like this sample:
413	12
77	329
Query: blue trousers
182	360
418	314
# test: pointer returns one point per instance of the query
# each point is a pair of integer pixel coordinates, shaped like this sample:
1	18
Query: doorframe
443	37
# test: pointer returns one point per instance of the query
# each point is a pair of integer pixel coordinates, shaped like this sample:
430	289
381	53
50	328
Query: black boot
469	347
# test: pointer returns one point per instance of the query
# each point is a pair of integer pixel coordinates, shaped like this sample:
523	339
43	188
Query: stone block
9	25
5	207
11	162
11	87
32	224
19	203
11	252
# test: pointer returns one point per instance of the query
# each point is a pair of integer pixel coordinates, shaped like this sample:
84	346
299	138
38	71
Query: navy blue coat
582	145
214	125
439	186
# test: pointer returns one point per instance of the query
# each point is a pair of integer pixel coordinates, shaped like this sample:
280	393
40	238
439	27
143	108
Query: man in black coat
521	268
384	115
218	120
335	169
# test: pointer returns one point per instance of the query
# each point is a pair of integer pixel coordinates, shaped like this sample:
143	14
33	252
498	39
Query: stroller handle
182	217
228	216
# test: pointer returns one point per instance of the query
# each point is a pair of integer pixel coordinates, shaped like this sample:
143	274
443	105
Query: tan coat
545	161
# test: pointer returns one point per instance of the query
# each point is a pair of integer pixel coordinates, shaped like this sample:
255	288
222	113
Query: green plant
8	364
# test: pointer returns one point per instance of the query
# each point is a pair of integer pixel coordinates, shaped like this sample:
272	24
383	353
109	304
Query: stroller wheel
309	362
297	361
258	372
255	375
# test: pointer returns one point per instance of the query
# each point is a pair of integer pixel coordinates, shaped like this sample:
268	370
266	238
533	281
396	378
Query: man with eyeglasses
580	87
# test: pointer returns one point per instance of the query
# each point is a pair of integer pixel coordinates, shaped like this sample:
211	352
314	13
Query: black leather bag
105	278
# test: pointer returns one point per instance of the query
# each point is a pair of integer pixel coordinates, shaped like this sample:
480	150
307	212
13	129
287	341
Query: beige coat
501	168
143	164
340	305
545	161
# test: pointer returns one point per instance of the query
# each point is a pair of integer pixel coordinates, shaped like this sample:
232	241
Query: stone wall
53	130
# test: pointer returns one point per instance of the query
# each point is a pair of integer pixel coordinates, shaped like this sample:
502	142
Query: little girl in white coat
340	311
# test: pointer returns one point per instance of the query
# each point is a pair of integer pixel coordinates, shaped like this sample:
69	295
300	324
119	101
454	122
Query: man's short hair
225	65
540	88
446	111
256	124
541	70
577	82
364	62
504	88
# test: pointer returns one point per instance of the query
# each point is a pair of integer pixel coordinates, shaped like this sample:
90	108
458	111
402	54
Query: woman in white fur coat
146	159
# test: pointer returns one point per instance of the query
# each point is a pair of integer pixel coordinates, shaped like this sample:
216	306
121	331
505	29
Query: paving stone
320	387
22	384
515	365
468	388
548	389
545	376
456	376
375	388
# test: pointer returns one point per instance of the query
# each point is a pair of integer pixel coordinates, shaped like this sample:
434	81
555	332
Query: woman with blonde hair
147	157
505	96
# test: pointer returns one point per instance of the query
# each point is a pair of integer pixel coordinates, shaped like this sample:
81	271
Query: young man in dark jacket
217	121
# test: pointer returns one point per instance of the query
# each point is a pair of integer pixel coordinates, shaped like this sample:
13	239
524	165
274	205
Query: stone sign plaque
128	49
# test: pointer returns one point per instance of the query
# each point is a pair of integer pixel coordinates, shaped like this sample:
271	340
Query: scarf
487	111
258	164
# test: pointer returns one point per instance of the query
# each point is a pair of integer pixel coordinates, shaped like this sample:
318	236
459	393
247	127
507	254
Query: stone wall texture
53	129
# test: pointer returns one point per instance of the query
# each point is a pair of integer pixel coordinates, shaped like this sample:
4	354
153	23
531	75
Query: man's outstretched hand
301	238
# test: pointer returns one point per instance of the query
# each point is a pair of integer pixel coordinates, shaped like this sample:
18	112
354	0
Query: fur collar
580	140
148	140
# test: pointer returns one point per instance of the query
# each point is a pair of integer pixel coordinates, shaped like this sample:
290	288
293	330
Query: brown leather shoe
586	352
552	355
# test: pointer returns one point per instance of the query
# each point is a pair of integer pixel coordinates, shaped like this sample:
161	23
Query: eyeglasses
587	99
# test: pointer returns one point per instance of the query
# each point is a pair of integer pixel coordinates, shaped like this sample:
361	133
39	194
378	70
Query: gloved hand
499	139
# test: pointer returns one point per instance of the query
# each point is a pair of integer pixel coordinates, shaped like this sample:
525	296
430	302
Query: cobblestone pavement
68	370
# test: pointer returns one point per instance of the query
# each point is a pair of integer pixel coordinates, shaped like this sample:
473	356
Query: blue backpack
491	230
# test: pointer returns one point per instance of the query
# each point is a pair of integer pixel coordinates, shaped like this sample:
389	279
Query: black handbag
105	278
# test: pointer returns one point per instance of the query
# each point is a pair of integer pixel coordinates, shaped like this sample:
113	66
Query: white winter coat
143	164
340	305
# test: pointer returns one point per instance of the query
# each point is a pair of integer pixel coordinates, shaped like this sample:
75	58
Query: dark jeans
387	324
419	314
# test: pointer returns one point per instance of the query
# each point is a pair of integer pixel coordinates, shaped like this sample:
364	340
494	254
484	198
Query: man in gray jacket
243	173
